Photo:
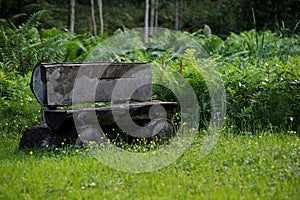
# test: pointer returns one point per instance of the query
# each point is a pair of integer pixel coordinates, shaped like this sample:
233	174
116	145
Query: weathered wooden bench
80	102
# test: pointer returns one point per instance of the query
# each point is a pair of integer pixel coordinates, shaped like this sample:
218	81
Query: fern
33	20
21	48
142	56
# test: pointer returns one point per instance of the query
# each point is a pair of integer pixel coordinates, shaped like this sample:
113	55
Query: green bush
22	47
260	72
18	107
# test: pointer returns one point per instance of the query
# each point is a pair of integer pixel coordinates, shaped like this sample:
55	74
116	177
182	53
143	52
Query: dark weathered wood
107	115
38	85
36	137
53	83
66	84
43	137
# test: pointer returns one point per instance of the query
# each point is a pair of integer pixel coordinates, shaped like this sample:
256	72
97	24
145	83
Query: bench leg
36	137
42	137
165	131
90	136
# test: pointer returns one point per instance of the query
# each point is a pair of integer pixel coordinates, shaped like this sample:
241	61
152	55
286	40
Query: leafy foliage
24	46
260	71
21	48
18	107
261	74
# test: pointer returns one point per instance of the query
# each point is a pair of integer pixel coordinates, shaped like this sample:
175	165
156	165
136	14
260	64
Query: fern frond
34	19
17	16
141	56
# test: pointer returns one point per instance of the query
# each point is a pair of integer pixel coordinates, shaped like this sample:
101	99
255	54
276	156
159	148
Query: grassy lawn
259	73
265	166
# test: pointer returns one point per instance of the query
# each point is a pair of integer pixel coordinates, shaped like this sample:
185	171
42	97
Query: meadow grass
243	166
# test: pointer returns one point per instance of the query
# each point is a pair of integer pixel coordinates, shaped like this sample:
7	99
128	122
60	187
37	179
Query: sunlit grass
245	166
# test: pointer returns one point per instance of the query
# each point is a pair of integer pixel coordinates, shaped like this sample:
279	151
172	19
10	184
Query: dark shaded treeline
223	16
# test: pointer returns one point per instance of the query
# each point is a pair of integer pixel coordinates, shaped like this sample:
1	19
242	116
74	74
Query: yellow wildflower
273	166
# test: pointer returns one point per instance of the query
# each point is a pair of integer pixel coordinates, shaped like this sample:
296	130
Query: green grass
265	166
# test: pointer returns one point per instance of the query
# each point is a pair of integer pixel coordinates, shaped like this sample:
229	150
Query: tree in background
93	18
223	16
72	16
153	22
100	16
146	21
156	14
177	15
152	17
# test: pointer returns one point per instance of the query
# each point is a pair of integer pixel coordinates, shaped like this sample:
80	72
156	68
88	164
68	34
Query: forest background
222	16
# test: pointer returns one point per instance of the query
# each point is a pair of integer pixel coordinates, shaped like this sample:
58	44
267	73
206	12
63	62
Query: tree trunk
100	16
146	21
181	12
152	17
93	18
177	15
72	15
156	16
194	14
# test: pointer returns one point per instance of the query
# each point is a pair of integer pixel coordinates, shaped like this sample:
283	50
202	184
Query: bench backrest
53	83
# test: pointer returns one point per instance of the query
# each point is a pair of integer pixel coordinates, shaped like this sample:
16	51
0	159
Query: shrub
18	107
260	72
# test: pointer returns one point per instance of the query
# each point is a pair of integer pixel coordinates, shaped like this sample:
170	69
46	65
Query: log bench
82	102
